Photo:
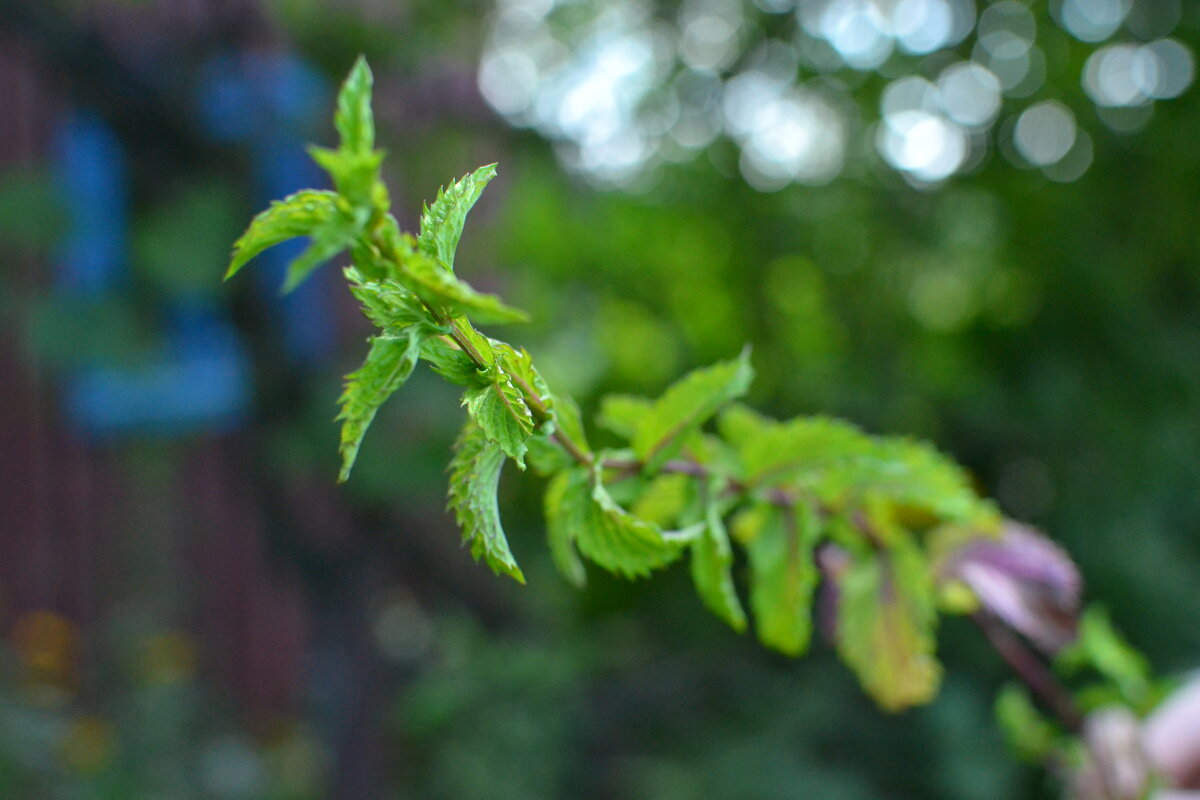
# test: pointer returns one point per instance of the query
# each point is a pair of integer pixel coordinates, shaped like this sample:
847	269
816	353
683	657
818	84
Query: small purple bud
1024	579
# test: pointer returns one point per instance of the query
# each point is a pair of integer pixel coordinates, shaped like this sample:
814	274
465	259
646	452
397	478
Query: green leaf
501	412
299	214
1102	648
474	478
1030	735
442	222
386	303
449	361
354	119
621	413
608	534
355	175
568	420
664	499
776	452
327	241
783	574
519	366
389	363
712	558
906	472
739	424
686	405
434	284
886	621
566	503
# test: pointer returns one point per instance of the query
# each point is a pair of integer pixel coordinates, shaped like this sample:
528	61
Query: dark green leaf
474	479
442	222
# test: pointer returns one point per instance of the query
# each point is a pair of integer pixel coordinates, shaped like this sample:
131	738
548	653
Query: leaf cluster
809	503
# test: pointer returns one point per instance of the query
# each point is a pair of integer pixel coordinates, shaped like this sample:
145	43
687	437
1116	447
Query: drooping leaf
474	478
566	503
686	405
885	628
783	573
621	413
438	287
449	361
712	559
608	534
501	412
390	361
442	222
299	214
354	120
327	241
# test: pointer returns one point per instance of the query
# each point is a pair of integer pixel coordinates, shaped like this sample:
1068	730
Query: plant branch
1031	670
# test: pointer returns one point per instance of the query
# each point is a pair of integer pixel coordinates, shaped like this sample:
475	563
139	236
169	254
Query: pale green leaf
622	413
501	412
686	405
886	621
442	222
777	451
783	574
299	214
567	502
474	479
664	499
712	559
354	120
739	424
389	363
